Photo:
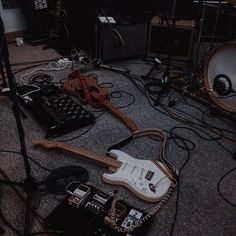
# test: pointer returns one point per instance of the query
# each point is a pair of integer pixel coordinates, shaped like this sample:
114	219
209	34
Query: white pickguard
132	174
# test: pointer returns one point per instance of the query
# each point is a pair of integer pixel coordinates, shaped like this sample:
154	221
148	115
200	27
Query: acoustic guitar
147	179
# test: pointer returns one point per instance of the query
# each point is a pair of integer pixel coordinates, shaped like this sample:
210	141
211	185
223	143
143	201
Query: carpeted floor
201	209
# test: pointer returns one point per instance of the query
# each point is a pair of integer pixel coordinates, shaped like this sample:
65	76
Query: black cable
35	162
171	116
204	113
78	136
118	94
219	184
64	175
114	31
173	100
133	78
191	148
98	116
209	125
106	85
16	71
35	62
196	133
193	124
224	97
46	233
8	224
40	79
204	124
178	189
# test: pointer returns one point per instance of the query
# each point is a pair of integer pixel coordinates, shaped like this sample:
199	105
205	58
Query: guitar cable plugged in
64	62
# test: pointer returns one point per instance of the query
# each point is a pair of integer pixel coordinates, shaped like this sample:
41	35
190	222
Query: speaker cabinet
37	15
181	41
124	42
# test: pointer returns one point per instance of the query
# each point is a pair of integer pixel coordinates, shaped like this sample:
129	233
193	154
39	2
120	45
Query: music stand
29	185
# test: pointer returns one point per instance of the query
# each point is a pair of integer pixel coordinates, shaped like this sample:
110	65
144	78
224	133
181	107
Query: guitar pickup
149	175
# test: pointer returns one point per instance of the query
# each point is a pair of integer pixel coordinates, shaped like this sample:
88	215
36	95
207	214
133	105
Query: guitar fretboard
107	161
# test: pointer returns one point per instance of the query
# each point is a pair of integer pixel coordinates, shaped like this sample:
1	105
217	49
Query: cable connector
5	91
85	60
157	60
64	61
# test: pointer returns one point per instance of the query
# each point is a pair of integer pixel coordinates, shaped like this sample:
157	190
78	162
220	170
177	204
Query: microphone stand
166	75
29	185
99	65
201	11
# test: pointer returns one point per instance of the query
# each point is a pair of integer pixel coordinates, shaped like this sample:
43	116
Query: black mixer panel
56	111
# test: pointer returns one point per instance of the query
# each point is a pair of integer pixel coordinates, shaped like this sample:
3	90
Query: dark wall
184	8
80	22
82	15
37	19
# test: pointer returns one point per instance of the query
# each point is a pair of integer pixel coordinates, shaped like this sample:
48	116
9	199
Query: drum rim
217	101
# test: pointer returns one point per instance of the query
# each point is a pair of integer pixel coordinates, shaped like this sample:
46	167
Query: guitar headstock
44	143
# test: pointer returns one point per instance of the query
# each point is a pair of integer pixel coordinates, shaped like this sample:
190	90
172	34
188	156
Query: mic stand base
29	185
6	92
98	65
164	87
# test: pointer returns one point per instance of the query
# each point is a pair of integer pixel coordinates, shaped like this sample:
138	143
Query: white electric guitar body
147	179
142	177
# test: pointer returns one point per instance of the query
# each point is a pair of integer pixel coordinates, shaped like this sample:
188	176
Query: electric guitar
59	34
147	179
87	90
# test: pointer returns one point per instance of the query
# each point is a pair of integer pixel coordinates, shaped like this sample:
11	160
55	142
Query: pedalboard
57	112
86	211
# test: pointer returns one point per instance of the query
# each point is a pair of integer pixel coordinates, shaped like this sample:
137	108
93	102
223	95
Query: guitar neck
107	161
126	120
58	9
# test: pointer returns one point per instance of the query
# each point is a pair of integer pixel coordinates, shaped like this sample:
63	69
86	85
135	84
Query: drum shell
221	60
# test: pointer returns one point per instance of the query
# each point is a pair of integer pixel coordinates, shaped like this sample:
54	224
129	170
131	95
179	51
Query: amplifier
126	41
160	38
38	18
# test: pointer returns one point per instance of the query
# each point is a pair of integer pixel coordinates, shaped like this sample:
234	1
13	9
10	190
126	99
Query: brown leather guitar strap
155	132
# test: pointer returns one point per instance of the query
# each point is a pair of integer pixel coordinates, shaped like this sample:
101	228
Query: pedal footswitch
79	195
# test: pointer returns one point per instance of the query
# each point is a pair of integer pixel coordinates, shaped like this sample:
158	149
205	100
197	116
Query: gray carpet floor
201	210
